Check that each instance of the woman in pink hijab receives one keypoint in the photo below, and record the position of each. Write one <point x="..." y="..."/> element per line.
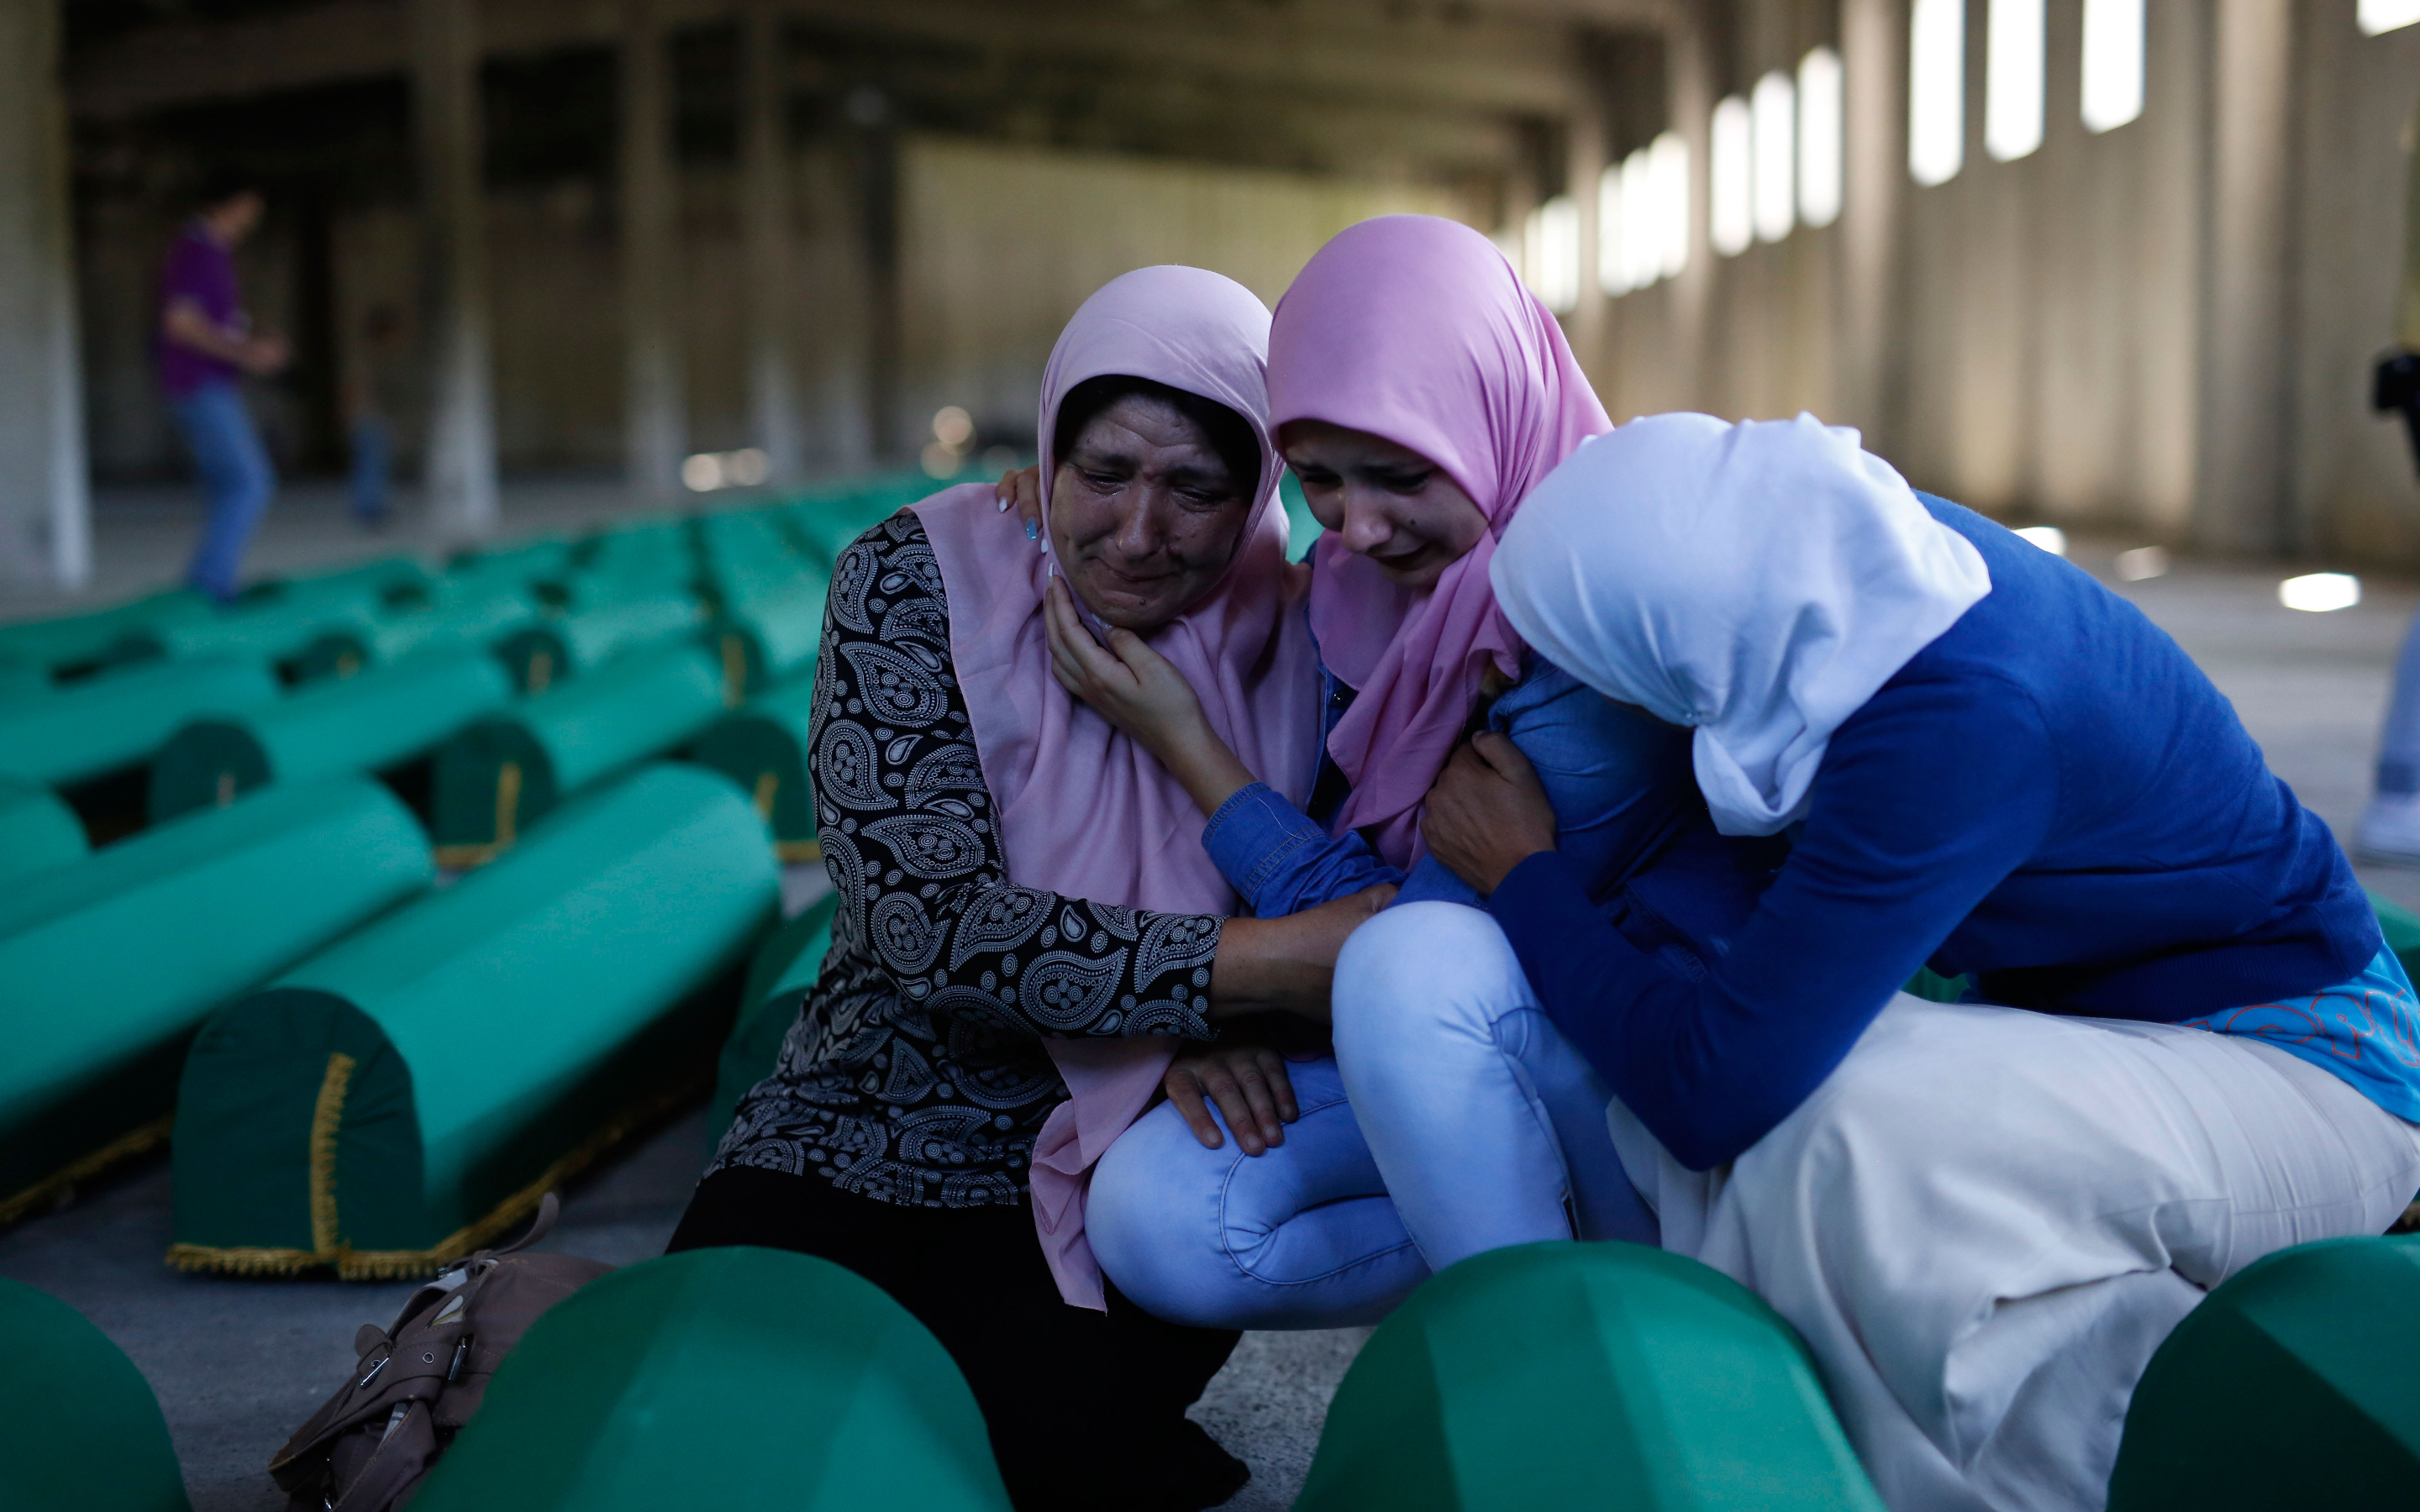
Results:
<point x="1418" y="393"/>
<point x="1028" y="925"/>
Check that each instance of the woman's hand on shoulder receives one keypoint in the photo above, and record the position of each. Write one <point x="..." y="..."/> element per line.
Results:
<point x="1249" y="1085"/>
<point x="1022" y="487"/>
<point x="1487" y="813"/>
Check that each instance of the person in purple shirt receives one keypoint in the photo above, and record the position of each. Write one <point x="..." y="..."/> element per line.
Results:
<point x="206" y="346"/>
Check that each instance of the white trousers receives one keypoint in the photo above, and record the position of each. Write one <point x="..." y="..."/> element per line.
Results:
<point x="1983" y="1223"/>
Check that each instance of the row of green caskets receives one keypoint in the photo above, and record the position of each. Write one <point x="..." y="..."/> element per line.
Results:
<point x="373" y="1065"/>
<point x="568" y="656"/>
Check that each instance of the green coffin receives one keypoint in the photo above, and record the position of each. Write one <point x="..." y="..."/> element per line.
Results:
<point x="357" y="724"/>
<point x="37" y="831"/>
<point x="785" y="966"/>
<point x="118" y="719"/>
<point x="755" y="554"/>
<point x="111" y="963"/>
<point x="770" y="639"/>
<point x="2295" y="1384"/>
<point x="79" y="1426"/>
<point x="77" y="639"/>
<point x="387" y="582"/>
<point x="1563" y="1375"/>
<point x="23" y="679"/>
<point x="467" y="621"/>
<point x="762" y="747"/>
<point x="552" y="650"/>
<point x="503" y="773"/>
<point x="2401" y="928"/>
<point x="723" y="1378"/>
<point x="644" y="559"/>
<point x="410" y="1093"/>
<point x="273" y="630"/>
<point x="536" y="570"/>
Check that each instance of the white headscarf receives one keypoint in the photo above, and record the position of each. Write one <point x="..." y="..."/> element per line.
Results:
<point x="1758" y="582"/>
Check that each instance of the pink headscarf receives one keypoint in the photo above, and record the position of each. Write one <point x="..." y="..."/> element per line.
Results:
<point x="1417" y="330"/>
<point x="1082" y="810"/>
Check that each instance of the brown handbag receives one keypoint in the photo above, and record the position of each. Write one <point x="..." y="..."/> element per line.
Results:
<point x="417" y="1382"/>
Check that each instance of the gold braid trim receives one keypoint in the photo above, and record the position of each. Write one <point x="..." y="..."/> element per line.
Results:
<point x="60" y="1183"/>
<point x="799" y="852"/>
<point x="327" y="1121"/>
<point x="465" y="858"/>
<point x="414" y="1264"/>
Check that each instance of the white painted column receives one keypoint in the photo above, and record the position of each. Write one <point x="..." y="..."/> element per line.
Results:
<point x="45" y="526"/>
<point x="765" y="201"/>
<point x="655" y="415"/>
<point x="459" y="467"/>
<point x="2241" y="463"/>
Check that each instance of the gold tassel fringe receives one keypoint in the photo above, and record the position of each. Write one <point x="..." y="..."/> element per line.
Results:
<point x="83" y="1168"/>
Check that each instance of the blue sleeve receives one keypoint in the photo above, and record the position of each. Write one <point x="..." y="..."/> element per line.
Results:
<point x="1621" y="784"/>
<point x="1281" y="861"/>
<point x="1927" y="799"/>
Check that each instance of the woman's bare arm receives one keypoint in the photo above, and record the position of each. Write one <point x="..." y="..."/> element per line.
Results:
<point x="1267" y="965"/>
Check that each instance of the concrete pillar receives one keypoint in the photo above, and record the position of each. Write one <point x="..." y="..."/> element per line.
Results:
<point x="878" y="192"/>
<point x="1870" y="375"/>
<point x="1689" y="57"/>
<point x="765" y="172"/>
<point x="2247" y="361"/>
<point x="45" y="530"/>
<point x="1583" y="171"/>
<point x="655" y="418"/>
<point x="459" y="465"/>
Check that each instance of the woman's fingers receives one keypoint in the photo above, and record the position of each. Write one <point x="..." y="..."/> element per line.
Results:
<point x="1185" y="1091"/>
<point x="1504" y="758"/>
<point x="1234" y="1095"/>
<point x="1273" y="1066"/>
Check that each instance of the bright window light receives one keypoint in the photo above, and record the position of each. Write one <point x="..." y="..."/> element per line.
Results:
<point x="2318" y="592"/>
<point x="2143" y="563"/>
<point x="1819" y="138"/>
<point x="1554" y="252"/>
<point x="1612" y="231"/>
<point x="1730" y="220"/>
<point x="1668" y="164"/>
<point x="2386" y="15"/>
<point x="1641" y="237"/>
<point x="2012" y="79"/>
<point x="1936" y="90"/>
<point x="2113" y="62"/>
<point x="1774" y="111"/>
<point x="2049" y="537"/>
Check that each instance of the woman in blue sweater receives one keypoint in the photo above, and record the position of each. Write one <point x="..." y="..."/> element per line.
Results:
<point x="2184" y="1045"/>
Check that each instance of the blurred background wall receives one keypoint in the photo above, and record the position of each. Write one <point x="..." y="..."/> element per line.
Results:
<point x="2114" y="263"/>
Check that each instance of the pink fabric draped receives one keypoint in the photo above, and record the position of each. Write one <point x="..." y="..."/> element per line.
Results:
<point x="1083" y="810"/>
<point x="1417" y="330"/>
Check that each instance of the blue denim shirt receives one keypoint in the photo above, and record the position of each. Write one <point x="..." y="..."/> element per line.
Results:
<point x="1622" y="785"/>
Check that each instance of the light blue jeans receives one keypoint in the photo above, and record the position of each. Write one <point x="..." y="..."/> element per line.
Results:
<point x="237" y="481"/>
<point x="1455" y="1119"/>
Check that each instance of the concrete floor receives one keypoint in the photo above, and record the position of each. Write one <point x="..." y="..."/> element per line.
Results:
<point x="239" y="1363"/>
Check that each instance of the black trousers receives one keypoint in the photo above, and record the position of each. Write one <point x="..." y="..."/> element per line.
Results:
<point x="1085" y="1410"/>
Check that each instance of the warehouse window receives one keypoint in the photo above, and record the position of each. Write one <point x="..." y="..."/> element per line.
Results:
<point x="2012" y="79"/>
<point x="2113" y="62"/>
<point x="1936" y="90"/>
<point x="2386" y="15"/>
<point x="1551" y="242"/>
<point x="1773" y="112"/>
<point x="1819" y="138"/>
<point x="1730" y="219"/>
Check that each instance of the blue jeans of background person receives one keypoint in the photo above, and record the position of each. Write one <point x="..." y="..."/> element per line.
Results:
<point x="237" y="481"/>
<point x="373" y="450"/>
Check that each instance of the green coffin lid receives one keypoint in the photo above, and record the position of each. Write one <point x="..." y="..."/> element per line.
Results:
<point x="503" y="772"/>
<point x="785" y="966"/>
<point x="111" y="962"/>
<point x="762" y="747"/>
<point x="37" y="830"/>
<point x="723" y="1378"/>
<point x="387" y="582"/>
<point x="2295" y="1384"/>
<point x="85" y="638"/>
<point x="272" y="630"/>
<point x="770" y="639"/>
<point x="411" y="1092"/>
<point x="356" y="724"/>
<point x="755" y="554"/>
<point x="118" y="719"/>
<point x="1564" y="1375"/>
<point x="552" y="650"/>
<point x="414" y="632"/>
<point x="23" y="679"/>
<point x="79" y="1426"/>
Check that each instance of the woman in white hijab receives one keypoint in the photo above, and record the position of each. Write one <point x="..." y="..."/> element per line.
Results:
<point x="2181" y="1045"/>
